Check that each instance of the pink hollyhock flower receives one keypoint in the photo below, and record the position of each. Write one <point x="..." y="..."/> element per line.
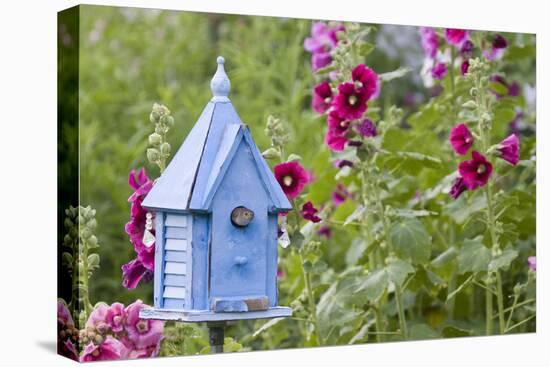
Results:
<point x="350" y="103"/>
<point x="466" y="50"/>
<point x="324" y="231"/>
<point x="366" y="79"/>
<point x="309" y="212"/>
<point x="292" y="177"/>
<point x="508" y="149"/>
<point x="461" y="139"/>
<point x="340" y="194"/>
<point x="439" y="71"/>
<point x="98" y="319"/>
<point x="455" y="36"/>
<point x="135" y="228"/>
<point x="64" y="317"/>
<point x="142" y="333"/>
<point x="366" y="129"/>
<point x="67" y="349"/>
<point x="322" y="97"/>
<point x="133" y="272"/>
<point x="532" y="262"/>
<point x="458" y="188"/>
<point x="323" y="39"/>
<point x="151" y="351"/>
<point x="475" y="172"/>
<point x="115" y="317"/>
<point x="464" y="67"/>
<point x="430" y="42"/>
<point x="110" y="349"/>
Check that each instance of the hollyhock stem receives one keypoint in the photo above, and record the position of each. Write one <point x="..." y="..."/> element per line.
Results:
<point x="488" y="312"/>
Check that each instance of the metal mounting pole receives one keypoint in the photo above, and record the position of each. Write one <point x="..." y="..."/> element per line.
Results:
<point x="216" y="336"/>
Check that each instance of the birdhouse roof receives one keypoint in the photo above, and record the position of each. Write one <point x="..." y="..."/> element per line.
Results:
<point x="191" y="179"/>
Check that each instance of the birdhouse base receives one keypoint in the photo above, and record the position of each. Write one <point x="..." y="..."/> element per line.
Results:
<point x="206" y="315"/>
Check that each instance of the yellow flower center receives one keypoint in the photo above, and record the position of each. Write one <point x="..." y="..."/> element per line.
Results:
<point x="287" y="180"/>
<point x="352" y="100"/>
<point x="481" y="169"/>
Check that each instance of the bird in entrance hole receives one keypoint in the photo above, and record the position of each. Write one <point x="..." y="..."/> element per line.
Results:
<point x="241" y="216"/>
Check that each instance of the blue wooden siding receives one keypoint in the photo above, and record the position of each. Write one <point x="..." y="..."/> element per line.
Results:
<point x="239" y="255"/>
<point x="201" y="240"/>
<point x="271" y="284"/>
<point x="177" y="261"/>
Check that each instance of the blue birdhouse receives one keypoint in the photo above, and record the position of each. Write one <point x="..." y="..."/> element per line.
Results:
<point x="216" y="207"/>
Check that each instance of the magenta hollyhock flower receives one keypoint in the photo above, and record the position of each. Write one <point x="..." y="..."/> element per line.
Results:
<point x="439" y="71"/>
<point x="340" y="194"/>
<point x="142" y="333"/>
<point x="464" y="67"/>
<point x="366" y="79"/>
<point x="508" y="149"/>
<point x="133" y="272"/>
<point x="98" y="319"/>
<point x="339" y="163"/>
<point x="466" y="50"/>
<point x="324" y="231"/>
<point x="292" y="177"/>
<point x="335" y="137"/>
<point x="532" y="262"/>
<point x="461" y="139"/>
<point x="366" y="129"/>
<point x="458" y="188"/>
<point x="430" y="42"/>
<point x="110" y="349"/>
<point x="320" y="60"/>
<point x="322" y="97"/>
<point x="475" y="172"/>
<point x="499" y="42"/>
<point x="512" y="90"/>
<point x="455" y="36"/>
<point x="135" y="228"/>
<point x="350" y="103"/>
<point x="115" y="317"/>
<point x="309" y="212"/>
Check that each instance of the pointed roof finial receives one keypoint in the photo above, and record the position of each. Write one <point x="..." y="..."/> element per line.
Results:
<point x="220" y="84"/>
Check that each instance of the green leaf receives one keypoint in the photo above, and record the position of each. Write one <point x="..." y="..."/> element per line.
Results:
<point x="422" y="331"/>
<point x="503" y="260"/>
<point x="374" y="285"/>
<point x="398" y="271"/>
<point x="411" y="241"/>
<point x="445" y="257"/>
<point x="426" y="160"/>
<point x="326" y="69"/>
<point x="463" y="208"/>
<point x="267" y="325"/>
<point x="386" y="77"/>
<point x="355" y="251"/>
<point x="410" y="213"/>
<point x="455" y="332"/>
<point x="366" y="48"/>
<point x="473" y="256"/>
<point x="357" y="214"/>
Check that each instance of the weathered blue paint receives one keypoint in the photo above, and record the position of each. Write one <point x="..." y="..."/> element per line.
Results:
<point x="207" y="268"/>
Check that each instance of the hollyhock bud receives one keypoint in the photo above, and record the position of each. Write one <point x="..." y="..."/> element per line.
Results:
<point x="322" y="97"/>
<point x="464" y="67"/>
<point x="466" y="50"/>
<point x="508" y="149"/>
<point x="309" y="212"/>
<point x="292" y="177"/>
<point x="499" y="42"/>
<point x="461" y="139"/>
<point x="340" y="194"/>
<point x="458" y="188"/>
<point x="475" y="172"/>
<point x="366" y="128"/>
